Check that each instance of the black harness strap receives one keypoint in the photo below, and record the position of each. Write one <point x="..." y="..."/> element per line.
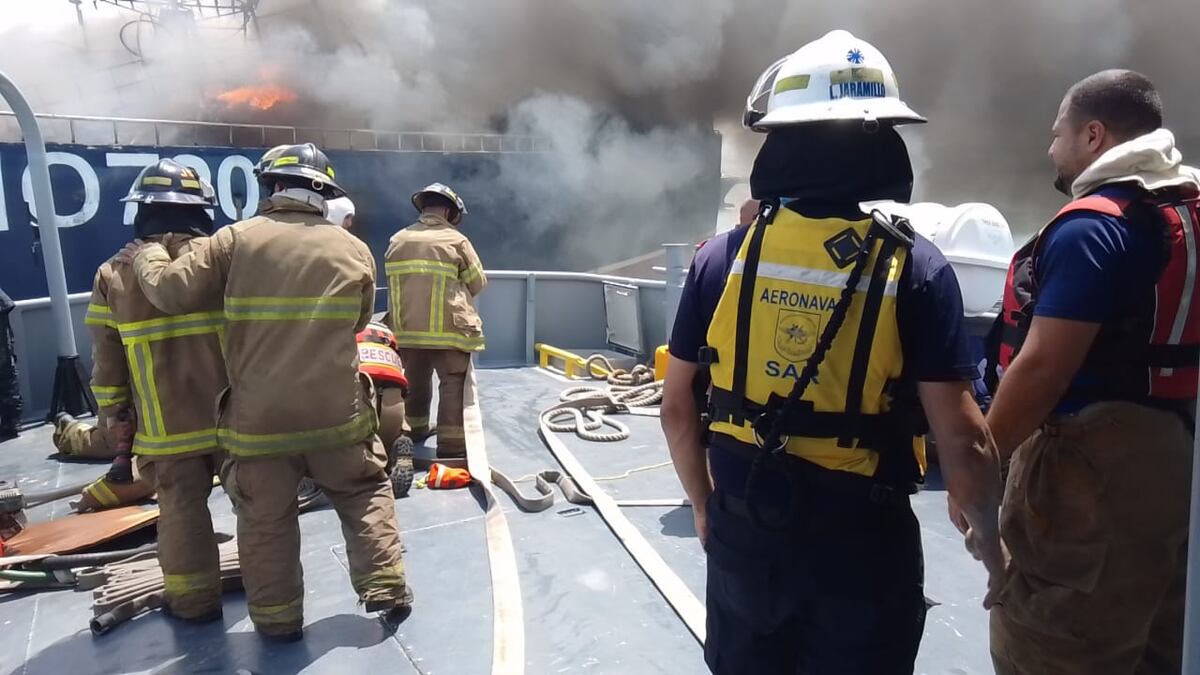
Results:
<point x="866" y="336"/>
<point x="741" y="348"/>
<point x="769" y="427"/>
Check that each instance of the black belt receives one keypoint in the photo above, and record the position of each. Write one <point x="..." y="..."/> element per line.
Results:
<point x="810" y="475"/>
<point x="886" y="497"/>
<point x="878" y="432"/>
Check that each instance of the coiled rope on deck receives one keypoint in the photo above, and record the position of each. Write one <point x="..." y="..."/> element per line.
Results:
<point x="585" y="410"/>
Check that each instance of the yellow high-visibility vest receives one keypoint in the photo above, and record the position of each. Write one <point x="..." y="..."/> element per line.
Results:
<point x="779" y="309"/>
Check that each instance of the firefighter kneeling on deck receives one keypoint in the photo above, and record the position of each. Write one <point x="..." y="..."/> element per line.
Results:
<point x="379" y="360"/>
<point x="434" y="275"/>
<point x="77" y="438"/>
<point x="155" y="378"/>
<point x="814" y="553"/>
<point x="296" y="291"/>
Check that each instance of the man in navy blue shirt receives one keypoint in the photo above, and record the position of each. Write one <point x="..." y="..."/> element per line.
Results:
<point x="930" y="312"/>
<point x="1096" y="401"/>
<point x="834" y="583"/>
<point x="937" y="354"/>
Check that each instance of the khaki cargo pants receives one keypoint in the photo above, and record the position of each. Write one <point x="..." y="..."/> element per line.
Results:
<point x="1095" y="516"/>
<point x="451" y="368"/>
<point x="390" y="407"/>
<point x="263" y="491"/>
<point x="187" y="547"/>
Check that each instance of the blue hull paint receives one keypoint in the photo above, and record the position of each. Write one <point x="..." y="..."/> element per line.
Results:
<point x="514" y="225"/>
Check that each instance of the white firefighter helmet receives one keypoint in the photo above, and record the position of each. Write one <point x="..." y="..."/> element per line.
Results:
<point x="837" y="77"/>
<point x="460" y="208"/>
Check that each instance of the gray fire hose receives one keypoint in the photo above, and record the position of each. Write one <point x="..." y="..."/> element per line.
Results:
<point x="45" y="496"/>
<point x="119" y="614"/>
<point x="66" y="562"/>
<point x="131" y="587"/>
<point x="109" y="620"/>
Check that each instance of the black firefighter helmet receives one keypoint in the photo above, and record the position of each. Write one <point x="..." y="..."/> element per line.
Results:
<point x="305" y="162"/>
<point x="169" y="182"/>
<point x="171" y="197"/>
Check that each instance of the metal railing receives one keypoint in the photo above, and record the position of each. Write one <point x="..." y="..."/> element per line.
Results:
<point x="145" y="131"/>
<point x="519" y="309"/>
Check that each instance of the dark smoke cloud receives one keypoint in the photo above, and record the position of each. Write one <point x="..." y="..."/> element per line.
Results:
<point x="989" y="75"/>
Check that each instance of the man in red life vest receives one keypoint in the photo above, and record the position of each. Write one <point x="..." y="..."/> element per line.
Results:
<point x="1097" y="344"/>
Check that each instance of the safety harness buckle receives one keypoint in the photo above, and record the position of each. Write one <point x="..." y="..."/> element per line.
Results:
<point x="897" y="227"/>
<point x="762" y="429"/>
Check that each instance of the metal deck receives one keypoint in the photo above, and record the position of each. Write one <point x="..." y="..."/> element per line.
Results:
<point x="588" y="607"/>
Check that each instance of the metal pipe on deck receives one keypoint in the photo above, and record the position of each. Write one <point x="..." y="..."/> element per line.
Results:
<point x="679" y="257"/>
<point x="70" y="394"/>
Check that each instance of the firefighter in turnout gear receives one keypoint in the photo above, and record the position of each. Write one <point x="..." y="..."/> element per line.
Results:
<point x="76" y="438"/>
<point x="825" y="331"/>
<point x="296" y="290"/>
<point x="1097" y="341"/>
<point x="119" y="486"/>
<point x="433" y="276"/>
<point x="11" y="403"/>
<point x="155" y="377"/>
<point x="379" y="360"/>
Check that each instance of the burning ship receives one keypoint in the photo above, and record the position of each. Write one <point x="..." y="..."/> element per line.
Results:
<point x="530" y="203"/>
<point x="559" y="592"/>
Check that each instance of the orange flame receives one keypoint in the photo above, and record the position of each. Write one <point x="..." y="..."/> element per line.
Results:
<point x="261" y="97"/>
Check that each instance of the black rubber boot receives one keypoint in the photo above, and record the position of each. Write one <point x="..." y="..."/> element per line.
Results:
<point x="393" y="606"/>
<point x="294" y="636"/>
<point x="422" y="436"/>
<point x="400" y="461"/>
<point x="207" y="617"/>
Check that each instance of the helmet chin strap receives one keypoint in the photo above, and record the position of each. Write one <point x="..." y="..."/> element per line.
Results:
<point x="303" y="195"/>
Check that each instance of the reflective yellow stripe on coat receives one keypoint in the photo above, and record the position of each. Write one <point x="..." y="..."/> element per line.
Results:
<point x="256" y="445"/>
<point x="99" y="315"/>
<point x="167" y="327"/>
<point x="292" y="308"/>
<point x="103" y="495"/>
<point x="174" y="444"/>
<point x="436" y="267"/>
<point x="439" y="340"/>
<point x="153" y="438"/>
<point x="470" y="274"/>
<point x="438" y="335"/>
<point x="110" y="396"/>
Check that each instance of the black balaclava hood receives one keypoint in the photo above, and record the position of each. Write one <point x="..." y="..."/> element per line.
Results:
<point x="827" y="169"/>
<point x="155" y="219"/>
